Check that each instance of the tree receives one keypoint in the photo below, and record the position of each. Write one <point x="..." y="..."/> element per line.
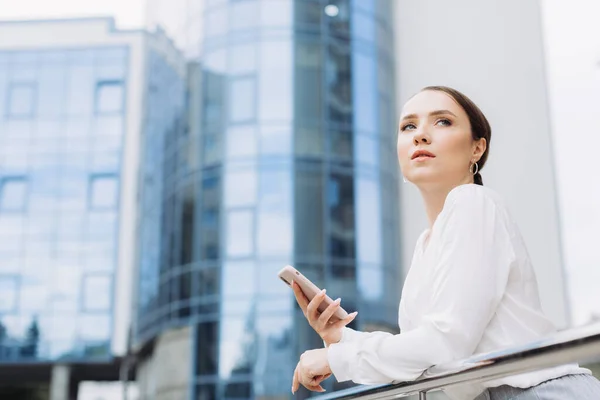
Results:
<point x="30" y="347"/>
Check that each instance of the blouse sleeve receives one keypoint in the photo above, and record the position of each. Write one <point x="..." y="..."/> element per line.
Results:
<point x="468" y="280"/>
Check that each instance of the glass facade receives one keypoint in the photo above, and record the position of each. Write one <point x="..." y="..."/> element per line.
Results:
<point x="287" y="156"/>
<point x="61" y="134"/>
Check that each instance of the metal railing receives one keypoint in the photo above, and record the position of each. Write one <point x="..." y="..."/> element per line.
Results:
<point x="574" y="345"/>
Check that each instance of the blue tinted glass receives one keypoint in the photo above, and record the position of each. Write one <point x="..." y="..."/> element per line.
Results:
<point x="274" y="225"/>
<point x="275" y="140"/>
<point x="52" y="91"/>
<point x="96" y="293"/>
<point x="240" y="233"/>
<point x="109" y="97"/>
<point x="276" y="13"/>
<point x="238" y="279"/>
<point x="363" y="26"/>
<point x="8" y="294"/>
<point x="244" y="15"/>
<point x="21" y="100"/>
<point x="240" y="188"/>
<point x="364" y="84"/>
<point x="370" y="282"/>
<point x="368" y="221"/>
<point x="94" y="327"/>
<point x="103" y="192"/>
<point x="13" y="194"/>
<point x="241" y="141"/>
<point x="366" y="150"/>
<point x="242" y="58"/>
<point x="80" y="90"/>
<point x="217" y="21"/>
<point x="275" y="83"/>
<point x="242" y="99"/>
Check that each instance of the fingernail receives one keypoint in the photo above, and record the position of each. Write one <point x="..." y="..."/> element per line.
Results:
<point x="323" y="291"/>
<point x="337" y="301"/>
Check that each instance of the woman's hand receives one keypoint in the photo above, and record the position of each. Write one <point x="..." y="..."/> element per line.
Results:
<point x="329" y="330"/>
<point x="312" y="369"/>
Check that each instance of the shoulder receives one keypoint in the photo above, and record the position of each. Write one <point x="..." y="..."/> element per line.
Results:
<point x="472" y="195"/>
<point x="475" y="204"/>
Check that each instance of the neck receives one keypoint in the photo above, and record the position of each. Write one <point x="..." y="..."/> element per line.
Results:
<point x="434" y="197"/>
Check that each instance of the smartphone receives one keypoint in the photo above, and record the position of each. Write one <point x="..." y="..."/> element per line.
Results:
<point x="310" y="290"/>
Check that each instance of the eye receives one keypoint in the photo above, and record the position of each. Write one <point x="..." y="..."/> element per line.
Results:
<point x="443" y="122"/>
<point x="407" y="127"/>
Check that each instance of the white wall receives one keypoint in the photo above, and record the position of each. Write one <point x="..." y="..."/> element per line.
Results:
<point x="493" y="52"/>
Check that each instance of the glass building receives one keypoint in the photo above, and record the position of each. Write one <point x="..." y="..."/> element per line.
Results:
<point x="61" y="142"/>
<point x="286" y="156"/>
<point x="72" y="95"/>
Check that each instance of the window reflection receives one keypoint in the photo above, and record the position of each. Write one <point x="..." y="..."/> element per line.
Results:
<point x="21" y="100"/>
<point x="274" y="225"/>
<point x="244" y="15"/>
<point x="366" y="150"/>
<point x="237" y="348"/>
<point x="96" y="293"/>
<point x="308" y="93"/>
<point x="109" y="97"/>
<point x="8" y="294"/>
<point x="340" y="199"/>
<point x="51" y="93"/>
<point x="238" y="279"/>
<point x="240" y="233"/>
<point x="240" y="188"/>
<point x="242" y="58"/>
<point x="368" y="214"/>
<point x="80" y="90"/>
<point x="364" y="82"/>
<point x="341" y="143"/>
<point x="241" y="141"/>
<point x="275" y="140"/>
<point x="13" y="194"/>
<point x="103" y="192"/>
<point x="363" y="26"/>
<point x="242" y="99"/>
<point x="339" y="83"/>
<point x="309" y="211"/>
<point x="275" y="83"/>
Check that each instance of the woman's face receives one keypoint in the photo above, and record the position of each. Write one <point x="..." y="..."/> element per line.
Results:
<point x="435" y="144"/>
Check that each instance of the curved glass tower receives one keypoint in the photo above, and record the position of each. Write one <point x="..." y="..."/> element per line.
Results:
<point x="287" y="157"/>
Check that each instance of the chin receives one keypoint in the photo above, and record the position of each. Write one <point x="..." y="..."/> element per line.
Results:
<point x="423" y="177"/>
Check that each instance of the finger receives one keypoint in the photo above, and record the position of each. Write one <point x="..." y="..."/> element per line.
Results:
<point x="329" y="311"/>
<point x="300" y="296"/>
<point x="317" y="388"/>
<point x="321" y="378"/>
<point x="346" y="321"/>
<point x="314" y="304"/>
<point x="295" y="381"/>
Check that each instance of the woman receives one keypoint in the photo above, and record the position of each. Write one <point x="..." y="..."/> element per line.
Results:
<point x="471" y="287"/>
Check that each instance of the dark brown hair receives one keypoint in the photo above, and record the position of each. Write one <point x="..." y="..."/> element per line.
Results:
<point x="480" y="127"/>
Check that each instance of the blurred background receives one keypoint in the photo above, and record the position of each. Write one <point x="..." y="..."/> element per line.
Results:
<point x="161" y="160"/>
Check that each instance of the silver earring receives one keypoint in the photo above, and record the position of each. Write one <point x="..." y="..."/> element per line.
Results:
<point x="404" y="179"/>
<point x="476" y="168"/>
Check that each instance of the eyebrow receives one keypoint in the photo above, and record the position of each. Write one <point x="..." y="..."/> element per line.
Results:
<point x="431" y="114"/>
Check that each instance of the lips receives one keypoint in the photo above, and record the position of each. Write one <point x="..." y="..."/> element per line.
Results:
<point x="422" y="153"/>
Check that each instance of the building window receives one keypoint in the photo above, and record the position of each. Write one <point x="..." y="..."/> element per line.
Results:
<point x="242" y="99"/>
<point x="8" y="294"/>
<point x="13" y="194"/>
<point x="96" y="293"/>
<point x="21" y="100"/>
<point x="103" y="192"/>
<point x="109" y="97"/>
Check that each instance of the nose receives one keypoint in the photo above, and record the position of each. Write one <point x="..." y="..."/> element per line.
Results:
<point x="421" y="137"/>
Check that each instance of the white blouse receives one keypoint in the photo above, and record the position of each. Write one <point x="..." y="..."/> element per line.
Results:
<point x="471" y="289"/>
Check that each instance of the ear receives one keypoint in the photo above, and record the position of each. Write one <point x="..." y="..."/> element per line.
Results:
<point x="479" y="148"/>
